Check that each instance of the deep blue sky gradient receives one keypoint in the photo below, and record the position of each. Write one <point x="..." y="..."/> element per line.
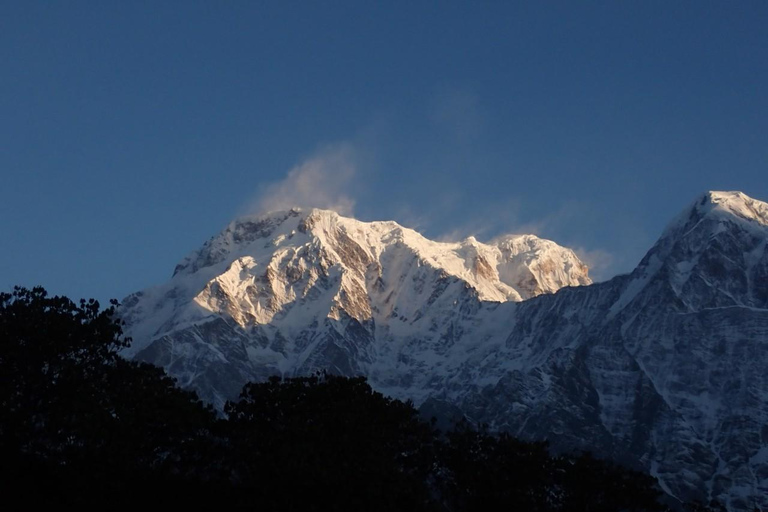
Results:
<point x="131" y="132"/>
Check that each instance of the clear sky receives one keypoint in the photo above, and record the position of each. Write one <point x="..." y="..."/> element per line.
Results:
<point x="131" y="132"/>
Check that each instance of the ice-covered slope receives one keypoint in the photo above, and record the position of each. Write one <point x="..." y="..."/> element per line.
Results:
<point x="296" y="291"/>
<point x="664" y="367"/>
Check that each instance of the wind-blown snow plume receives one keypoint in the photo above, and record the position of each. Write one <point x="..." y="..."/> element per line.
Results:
<point x="600" y="262"/>
<point x="321" y="181"/>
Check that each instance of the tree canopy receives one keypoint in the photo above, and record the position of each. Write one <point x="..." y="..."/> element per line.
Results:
<point x="76" y="415"/>
<point x="330" y="443"/>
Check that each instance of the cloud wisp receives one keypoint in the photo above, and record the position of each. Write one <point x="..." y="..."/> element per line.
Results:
<point x="422" y="182"/>
<point x="600" y="262"/>
<point x="321" y="181"/>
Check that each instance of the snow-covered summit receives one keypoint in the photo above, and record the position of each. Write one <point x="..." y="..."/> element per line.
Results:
<point x="520" y="266"/>
<point x="239" y="232"/>
<point x="514" y="267"/>
<point x="713" y="254"/>
<point x="738" y="204"/>
<point x="268" y="269"/>
<point x="718" y="206"/>
<point x="536" y="266"/>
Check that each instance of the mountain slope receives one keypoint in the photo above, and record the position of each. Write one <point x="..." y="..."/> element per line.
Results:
<point x="663" y="368"/>
<point x="298" y="291"/>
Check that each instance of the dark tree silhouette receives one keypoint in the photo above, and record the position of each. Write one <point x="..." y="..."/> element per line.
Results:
<point x="594" y="485"/>
<point x="329" y="443"/>
<point x="77" y="416"/>
<point x="483" y="471"/>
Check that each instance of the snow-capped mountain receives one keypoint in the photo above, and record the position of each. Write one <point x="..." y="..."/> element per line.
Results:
<point x="664" y="367"/>
<point x="299" y="291"/>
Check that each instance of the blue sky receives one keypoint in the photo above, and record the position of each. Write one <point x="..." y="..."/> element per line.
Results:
<point x="131" y="132"/>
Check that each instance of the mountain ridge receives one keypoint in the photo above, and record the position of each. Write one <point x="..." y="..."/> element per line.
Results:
<point x="516" y="267"/>
<point x="662" y="367"/>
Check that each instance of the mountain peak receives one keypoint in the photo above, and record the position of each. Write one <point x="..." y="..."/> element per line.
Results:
<point x="712" y="255"/>
<point x="260" y="268"/>
<point x="734" y="203"/>
<point x="714" y="208"/>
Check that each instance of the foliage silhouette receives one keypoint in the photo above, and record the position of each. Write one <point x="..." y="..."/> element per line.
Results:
<point x="77" y="415"/>
<point x="485" y="471"/>
<point x="329" y="443"/>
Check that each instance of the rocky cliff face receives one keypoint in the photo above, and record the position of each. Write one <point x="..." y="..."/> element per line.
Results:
<point x="664" y="367"/>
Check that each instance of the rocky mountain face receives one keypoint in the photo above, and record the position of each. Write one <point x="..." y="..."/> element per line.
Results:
<point x="664" y="368"/>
